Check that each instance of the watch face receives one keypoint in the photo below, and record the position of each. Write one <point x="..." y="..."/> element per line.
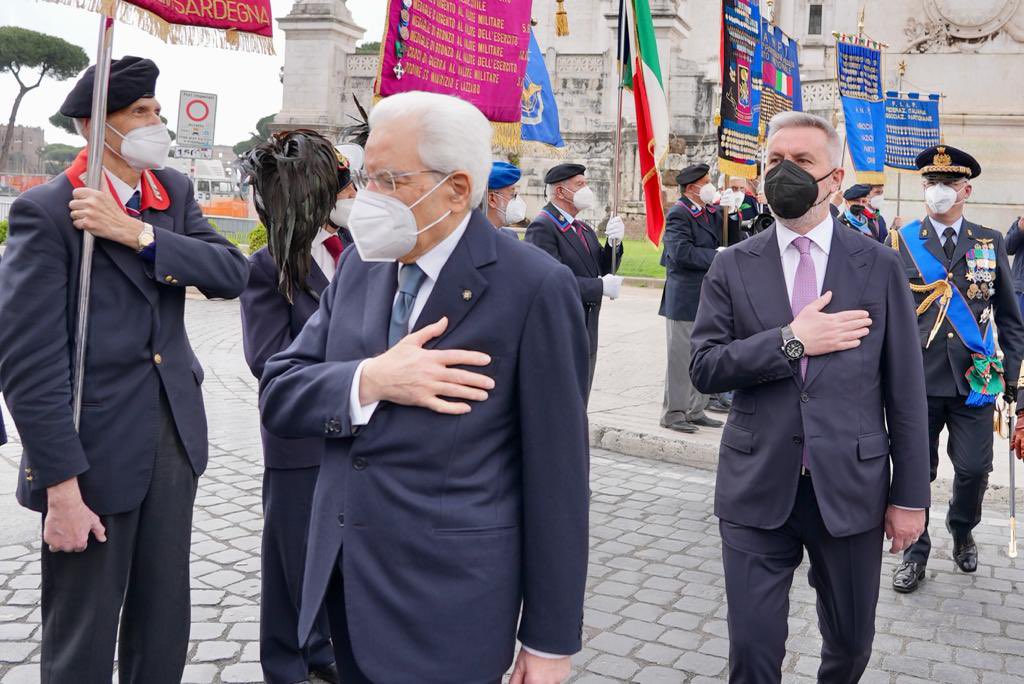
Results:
<point x="794" y="349"/>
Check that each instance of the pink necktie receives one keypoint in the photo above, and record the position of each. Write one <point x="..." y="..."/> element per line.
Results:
<point x="805" y="291"/>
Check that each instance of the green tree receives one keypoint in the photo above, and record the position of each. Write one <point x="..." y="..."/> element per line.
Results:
<point x="261" y="133"/>
<point x="22" y="51"/>
<point x="370" y="48"/>
<point x="58" y="156"/>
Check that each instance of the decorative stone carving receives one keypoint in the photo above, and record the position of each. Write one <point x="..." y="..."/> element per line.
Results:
<point x="967" y="27"/>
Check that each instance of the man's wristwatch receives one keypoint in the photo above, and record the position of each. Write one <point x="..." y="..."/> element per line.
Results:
<point x="792" y="347"/>
<point x="146" y="237"/>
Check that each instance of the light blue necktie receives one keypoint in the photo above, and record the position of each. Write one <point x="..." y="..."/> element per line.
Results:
<point x="410" y="278"/>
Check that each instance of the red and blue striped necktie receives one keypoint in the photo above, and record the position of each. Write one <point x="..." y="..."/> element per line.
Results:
<point x="134" y="205"/>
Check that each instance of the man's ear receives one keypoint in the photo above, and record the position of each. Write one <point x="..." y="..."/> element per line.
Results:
<point x="968" y="191"/>
<point x="461" y="187"/>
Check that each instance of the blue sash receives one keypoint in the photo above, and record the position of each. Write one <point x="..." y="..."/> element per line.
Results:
<point x="958" y="312"/>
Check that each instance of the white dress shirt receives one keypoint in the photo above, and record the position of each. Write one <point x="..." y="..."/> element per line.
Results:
<point x="321" y="256"/>
<point x="940" y="228"/>
<point x="821" y="244"/>
<point x="431" y="263"/>
<point x="122" y="190"/>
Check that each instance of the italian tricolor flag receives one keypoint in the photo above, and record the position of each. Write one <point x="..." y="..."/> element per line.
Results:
<point x="641" y="73"/>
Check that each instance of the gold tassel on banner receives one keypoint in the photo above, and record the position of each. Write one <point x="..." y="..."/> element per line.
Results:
<point x="561" y="20"/>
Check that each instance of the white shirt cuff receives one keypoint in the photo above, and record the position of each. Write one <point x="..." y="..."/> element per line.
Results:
<point x="542" y="654"/>
<point x="358" y="414"/>
<point x="907" y="508"/>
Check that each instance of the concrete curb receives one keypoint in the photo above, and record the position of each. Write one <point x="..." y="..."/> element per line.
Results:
<point x="703" y="455"/>
<point x="653" y="283"/>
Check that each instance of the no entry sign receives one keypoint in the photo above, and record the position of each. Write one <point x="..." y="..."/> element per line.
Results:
<point x="197" y="113"/>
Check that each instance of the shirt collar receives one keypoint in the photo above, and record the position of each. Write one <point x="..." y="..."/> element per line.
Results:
<point x="433" y="261"/>
<point x="321" y="237"/>
<point x="123" y="190"/>
<point x="940" y="228"/>
<point x="821" y="235"/>
<point x="566" y="215"/>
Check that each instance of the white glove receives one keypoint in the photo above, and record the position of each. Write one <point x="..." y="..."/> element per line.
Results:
<point x="616" y="229"/>
<point x="720" y="249"/>
<point x="612" y="285"/>
<point x="732" y="199"/>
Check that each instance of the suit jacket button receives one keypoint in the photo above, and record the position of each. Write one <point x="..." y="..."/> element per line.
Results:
<point x="359" y="463"/>
<point x="805" y="397"/>
<point x="169" y="279"/>
<point x="798" y="439"/>
<point x="949" y="336"/>
<point x="341" y="519"/>
<point x="157" y="359"/>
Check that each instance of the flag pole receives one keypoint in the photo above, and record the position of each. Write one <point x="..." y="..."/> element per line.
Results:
<point x="94" y="179"/>
<point x="1012" y="549"/>
<point x="617" y="163"/>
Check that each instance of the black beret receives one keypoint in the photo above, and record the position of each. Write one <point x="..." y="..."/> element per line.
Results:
<point x="859" y="191"/>
<point x="943" y="162"/>
<point x="563" y="172"/>
<point x="692" y="174"/>
<point x="131" y="78"/>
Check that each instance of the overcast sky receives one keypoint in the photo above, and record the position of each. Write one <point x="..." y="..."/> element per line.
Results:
<point x="247" y="85"/>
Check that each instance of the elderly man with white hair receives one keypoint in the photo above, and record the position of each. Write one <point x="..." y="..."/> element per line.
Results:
<point x="453" y="494"/>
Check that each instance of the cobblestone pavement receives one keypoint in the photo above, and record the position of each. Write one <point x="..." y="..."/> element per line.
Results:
<point x="655" y="602"/>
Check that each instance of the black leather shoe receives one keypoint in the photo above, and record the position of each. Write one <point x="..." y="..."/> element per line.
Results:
<point x="908" y="577"/>
<point x="328" y="673"/>
<point x="680" y="426"/>
<point x="965" y="553"/>
<point x="719" y="406"/>
<point x="704" y="421"/>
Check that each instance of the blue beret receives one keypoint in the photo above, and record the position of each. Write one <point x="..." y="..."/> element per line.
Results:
<point x="131" y="78"/>
<point x="503" y="175"/>
<point x="859" y="191"/>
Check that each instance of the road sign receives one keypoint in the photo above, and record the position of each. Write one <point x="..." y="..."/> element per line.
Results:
<point x="197" y="113"/>
<point x="193" y="153"/>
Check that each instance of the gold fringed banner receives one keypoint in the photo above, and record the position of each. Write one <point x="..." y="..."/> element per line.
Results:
<point x="561" y="20"/>
<point x="736" y="169"/>
<point x="506" y="136"/>
<point x="871" y="177"/>
<point x="200" y="31"/>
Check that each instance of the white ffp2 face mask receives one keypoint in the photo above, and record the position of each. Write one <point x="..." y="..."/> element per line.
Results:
<point x="707" y="193"/>
<point x="384" y="228"/>
<point x="144" y="148"/>
<point x="877" y="202"/>
<point x="940" y="198"/>
<point x="514" y="211"/>
<point x="342" y="212"/>
<point x="584" y="198"/>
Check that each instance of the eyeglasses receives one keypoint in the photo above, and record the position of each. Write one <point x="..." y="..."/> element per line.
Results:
<point x="955" y="184"/>
<point x="385" y="181"/>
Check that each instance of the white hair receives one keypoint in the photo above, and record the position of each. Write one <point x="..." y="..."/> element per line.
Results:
<point x="451" y="134"/>
<point x="80" y="127"/>
<point x="805" y="120"/>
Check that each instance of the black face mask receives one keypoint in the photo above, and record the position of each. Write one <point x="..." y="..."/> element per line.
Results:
<point x="791" y="191"/>
<point x="857" y="209"/>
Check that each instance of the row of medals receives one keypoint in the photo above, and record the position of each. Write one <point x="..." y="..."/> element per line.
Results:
<point x="981" y="270"/>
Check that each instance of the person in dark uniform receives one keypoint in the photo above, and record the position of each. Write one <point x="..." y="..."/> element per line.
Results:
<point x="558" y="232"/>
<point x="947" y="254"/>
<point x="270" y="321"/>
<point x="504" y="205"/>
<point x="1015" y="248"/>
<point x="860" y="215"/>
<point x="127" y="476"/>
<point x="693" y="236"/>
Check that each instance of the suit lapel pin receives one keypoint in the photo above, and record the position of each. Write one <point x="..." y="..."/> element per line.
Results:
<point x="467" y="295"/>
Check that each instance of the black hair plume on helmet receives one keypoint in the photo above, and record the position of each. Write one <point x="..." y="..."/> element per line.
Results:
<point x="295" y="180"/>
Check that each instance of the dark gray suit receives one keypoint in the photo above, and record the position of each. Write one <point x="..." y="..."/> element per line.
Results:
<point x="142" y="441"/>
<point x="857" y="412"/>
<point x="269" y="324"/>
<point x="430" y="532"/>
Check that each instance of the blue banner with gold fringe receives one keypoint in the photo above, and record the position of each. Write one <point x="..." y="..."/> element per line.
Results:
<point x="911" y="125"/>
<point x="859" y="72"/>
<point x="540" y="110"/>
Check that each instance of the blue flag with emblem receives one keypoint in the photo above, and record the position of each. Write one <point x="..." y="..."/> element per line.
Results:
<point x="540" y="111"/>
<point x="985" y="376"/>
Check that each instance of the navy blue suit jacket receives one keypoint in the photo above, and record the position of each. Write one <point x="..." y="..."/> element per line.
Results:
<point x="449" y="524"/>
<point x="136" y="313"/>
<point x="856" y="410"/>
<point x="587" y="265"/>
<point x="1014" y="243"/>
<point x="269" y="324"/>
<point x="691" y="243"/>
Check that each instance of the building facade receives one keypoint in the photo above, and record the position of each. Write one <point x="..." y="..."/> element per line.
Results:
<point x="970" y="52"/>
